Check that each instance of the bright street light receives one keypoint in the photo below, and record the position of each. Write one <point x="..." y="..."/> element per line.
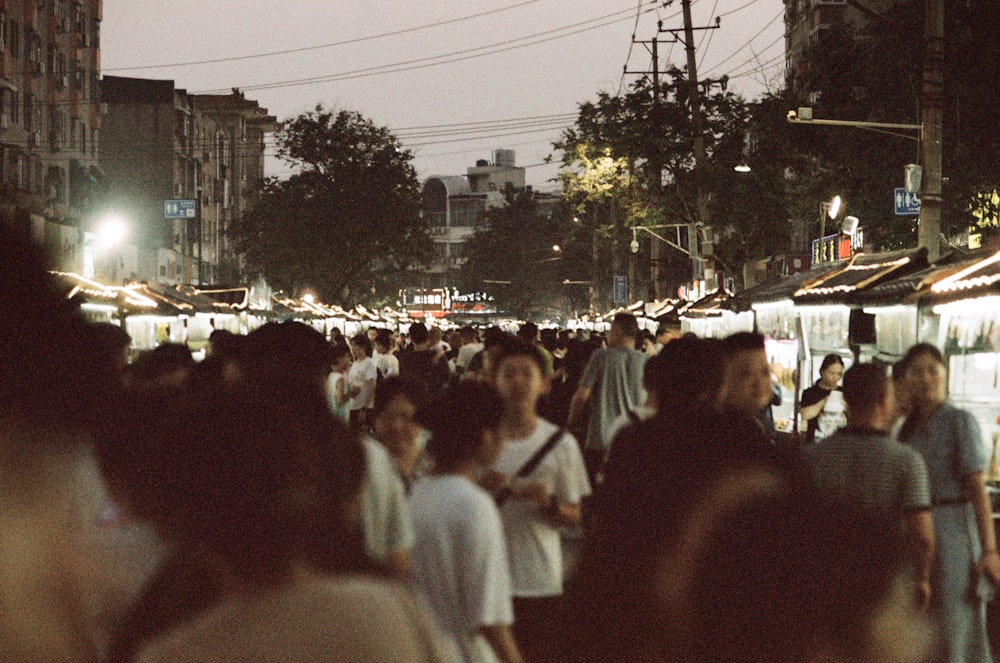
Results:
<point x="112" y="231"/>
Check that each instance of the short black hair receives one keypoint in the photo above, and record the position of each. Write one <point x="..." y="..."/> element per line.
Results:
<point x="742" y="342"/>
<point x="627" y="323"/>
<point x="864" y="385"/>
<point x="363" y="342"/>
<point x="419" y="333"/>
<point x="515" y="347"/>
<point x="397" y="385"/>
<point x="457" y="421"/>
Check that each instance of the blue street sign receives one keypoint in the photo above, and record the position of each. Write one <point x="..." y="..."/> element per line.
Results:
<point x="621" y="290"/>
<point x="179" y="209"/>
<point x="906" y="204"/>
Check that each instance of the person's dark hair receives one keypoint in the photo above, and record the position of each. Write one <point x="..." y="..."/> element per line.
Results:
<point x="518" y="348"/>
<point x="549" y="339"/>
<point x="339" y="350"/>
<point x="864" y="386"/>
<point x="161" y="361"/>
<point x="741" y="342"/>
<point x="362" y="341"/>
<point x="419" y="333"/>
<point x="684" y="375"/>
<point x="396" y="386"/>
<point x="468" y="333"/>
<point x="383" y="337"/>
<point x="287" y="347"/>
<point x="641" y="338"/>
<point x="226" y="344"/>
<point x="627" y="323"/>
<point x="494" y="336"/>
<point x="259" y="473"/>
<point x="55" y="368"/>
<point x="829" y="360"/>
<point x="808" y="575"/>
<point x="528" y="332"/>
<point x="457" y="421"/>
<point x="919" y="350"/>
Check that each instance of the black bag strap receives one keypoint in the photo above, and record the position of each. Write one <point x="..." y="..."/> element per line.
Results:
<point x="504" y="493"/>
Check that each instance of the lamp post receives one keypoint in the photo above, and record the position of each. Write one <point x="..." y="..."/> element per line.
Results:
<point x="111" y="232"/>
<point x="830" y="209"/>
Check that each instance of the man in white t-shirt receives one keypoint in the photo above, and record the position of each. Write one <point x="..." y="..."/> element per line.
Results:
<point x="541" y="503"/>
<point x="362" y="374"/>
<point x="385" y="360"/>
<point x="470" y="346"/>
<point x="385" y="515"/>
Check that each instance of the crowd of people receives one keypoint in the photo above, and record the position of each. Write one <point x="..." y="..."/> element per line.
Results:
<point x="294" y="497"/>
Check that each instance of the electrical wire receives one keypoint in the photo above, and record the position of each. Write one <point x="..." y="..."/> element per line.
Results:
<point x="445" y="58"/>
<point x="748" y="42"/>
<point x="346" y="42"/>
<point x="631" y="45"/>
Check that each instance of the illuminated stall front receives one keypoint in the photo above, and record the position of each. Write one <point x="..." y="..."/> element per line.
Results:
<point x="710" y="317"/>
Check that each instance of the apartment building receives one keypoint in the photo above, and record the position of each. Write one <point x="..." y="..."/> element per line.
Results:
<point x="454" y="207"/>
<point x="50" y="121"/>
<point x="180" y="168"/>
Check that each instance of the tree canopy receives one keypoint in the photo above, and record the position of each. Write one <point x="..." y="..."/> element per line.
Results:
<point x="347" y="223"/>
<point x="514" y="256"/>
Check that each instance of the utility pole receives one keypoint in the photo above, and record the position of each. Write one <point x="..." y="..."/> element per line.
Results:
<point x="929" y="227"/>
<point x="694" y="99"/>
<point x="657" y="252"/>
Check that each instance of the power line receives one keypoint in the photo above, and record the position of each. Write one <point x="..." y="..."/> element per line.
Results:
<point x="631" y="44"/>
<point x="421" y="63"/>
<point x="346" y="42"/>
<point x="750" y="41"/>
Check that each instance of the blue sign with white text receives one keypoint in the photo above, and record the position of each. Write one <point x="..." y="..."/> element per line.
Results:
<point x="906" y="204"/>
<point x="179" y="209"/>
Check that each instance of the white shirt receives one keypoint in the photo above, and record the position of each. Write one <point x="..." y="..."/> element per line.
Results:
<point x="460" y="560"/>
<point x="387" y="364"/>
<point x="534" y="546"/>
<point x="361" y="372"/>
<point x="317" y="619"/>
<point x="466" y="353"/>
<point x="385" y="515"/>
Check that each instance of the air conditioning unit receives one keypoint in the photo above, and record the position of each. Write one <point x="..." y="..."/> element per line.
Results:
<point x="103" y="108"/>
<point x="65" y="24"/>
<point x="4" y="122"/>
<point x="64" y="82"/>
<point x="35" y="138"/>
<point x="207" y="156"/>
<point x="3" y="46"/>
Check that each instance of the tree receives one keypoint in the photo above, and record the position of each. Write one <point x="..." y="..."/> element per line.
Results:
<point x="651" y="131"/>
<point x="347" y="224"/>
<point x="512" y="256"/>
<point x="876" y="76"/>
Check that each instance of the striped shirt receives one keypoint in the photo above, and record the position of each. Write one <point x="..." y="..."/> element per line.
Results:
<point x="870" y="470"/>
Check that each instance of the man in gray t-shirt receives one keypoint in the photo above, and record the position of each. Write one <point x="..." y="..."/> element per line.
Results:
<point x="863" y="466"/>
<point x="612" y="385"/>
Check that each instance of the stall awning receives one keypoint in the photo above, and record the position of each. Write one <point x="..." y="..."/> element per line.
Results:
<point x="907" y="288"/>
<point x="980" y="279"/>
<point x="712" y="305"/>
<point x="862" y="271"/>
<point x="782" y="289"/>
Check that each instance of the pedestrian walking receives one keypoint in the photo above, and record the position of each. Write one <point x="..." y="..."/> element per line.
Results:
<point x="966" y="564"/>
<point x="611" y="385"/>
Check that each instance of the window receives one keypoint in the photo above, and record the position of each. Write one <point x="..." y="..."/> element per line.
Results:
<point x="15" y="40"/>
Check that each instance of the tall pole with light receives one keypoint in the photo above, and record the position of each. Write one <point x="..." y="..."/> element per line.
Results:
<point x="111" y="232"/>
<point x="830" y="209"/>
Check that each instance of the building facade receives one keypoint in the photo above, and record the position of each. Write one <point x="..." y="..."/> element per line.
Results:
<point x="454" y="207"/>
<point x="50" y="121"/>
<point x="180" y="168"/>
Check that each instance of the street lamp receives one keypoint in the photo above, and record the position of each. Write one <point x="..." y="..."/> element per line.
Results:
<point x="111" y="232"/>
<point x="830" y="209"/>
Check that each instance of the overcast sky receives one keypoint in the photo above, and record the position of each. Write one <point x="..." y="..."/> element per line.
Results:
<point x="507" y="73"/>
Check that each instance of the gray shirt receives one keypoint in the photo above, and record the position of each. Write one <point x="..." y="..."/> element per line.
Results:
<point x="870" y="470"/>
<point x="614" y="376"/>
